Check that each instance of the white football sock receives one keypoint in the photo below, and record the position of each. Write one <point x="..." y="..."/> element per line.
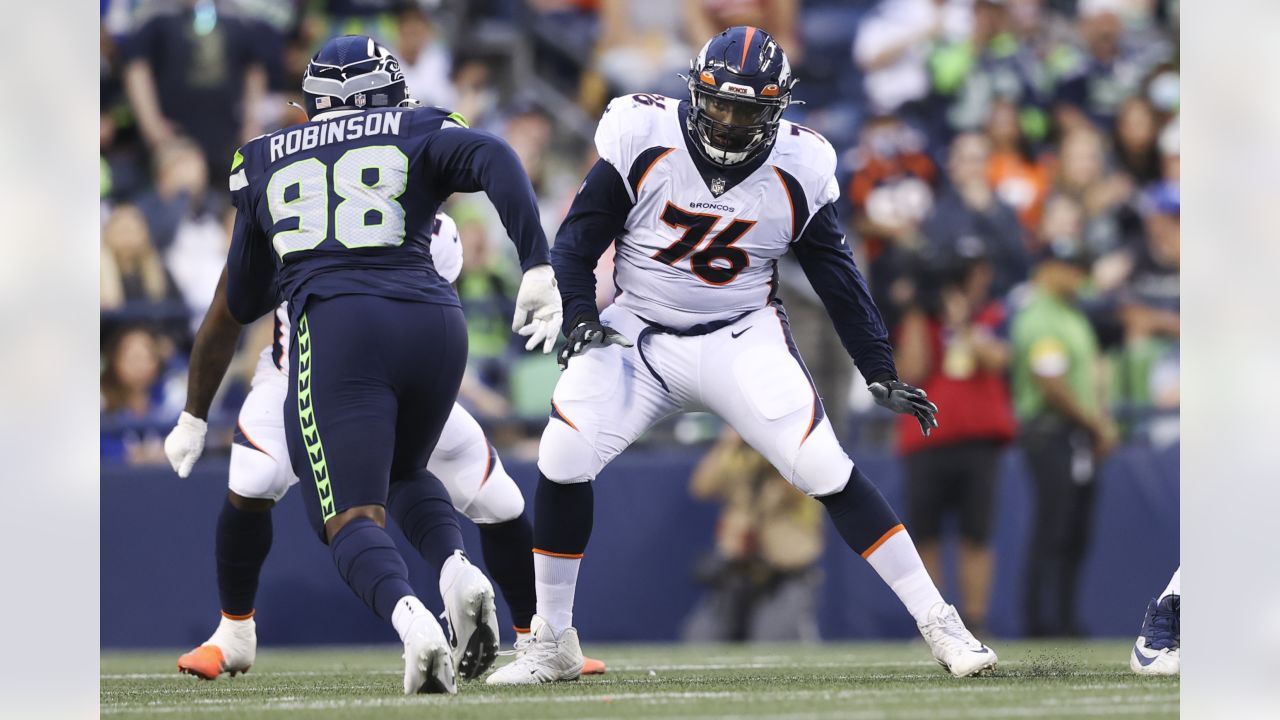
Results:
<point x="407" y="610"/>
<point x="555" y="579"/>
<point x="230" y="630"/>
<point x="1175" y="585"/>
<point x="899" y="565"/>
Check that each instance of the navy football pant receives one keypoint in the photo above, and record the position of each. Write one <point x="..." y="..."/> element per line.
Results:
<point x="372" y="381"/>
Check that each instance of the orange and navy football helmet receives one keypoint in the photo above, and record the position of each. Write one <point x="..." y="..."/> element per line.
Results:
<point x="739" y="85"/>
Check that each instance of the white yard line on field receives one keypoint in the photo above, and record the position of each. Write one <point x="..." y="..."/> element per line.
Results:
<point x="1119" y="704"/>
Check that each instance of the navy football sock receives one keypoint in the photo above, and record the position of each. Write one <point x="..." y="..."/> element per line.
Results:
<point x="563" y="513"/>
<point x="425" y="514"/>
<point x="506" y="547"/>
<point x="370" y="564"/>
<point x="860" y="513"/>
<point x="241" y="544"/>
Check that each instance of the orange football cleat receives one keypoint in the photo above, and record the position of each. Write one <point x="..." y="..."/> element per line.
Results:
<point x="205" y="662"/>
<point x="592" y="666"/>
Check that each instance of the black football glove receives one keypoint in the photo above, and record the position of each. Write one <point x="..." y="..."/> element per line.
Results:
<point x="907" y="400"/>
<point x="586" y="335"/>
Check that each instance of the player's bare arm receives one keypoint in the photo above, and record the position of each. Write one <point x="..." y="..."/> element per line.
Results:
<point x="211" y="354"/>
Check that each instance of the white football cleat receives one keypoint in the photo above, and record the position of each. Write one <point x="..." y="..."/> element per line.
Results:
<point x="1145" y="661"/>
<point x="542" y="657"/>
<point x="472" y="617"/>
<point x="428" y="666"/>
<point x="953" y="646"/>
<point x="231" y="649"/>
<point x="1156" y="650"/>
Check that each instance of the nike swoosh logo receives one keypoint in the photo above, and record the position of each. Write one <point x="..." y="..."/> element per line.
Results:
<point x="736" y="334"/>
<point x="1142" y="659"/>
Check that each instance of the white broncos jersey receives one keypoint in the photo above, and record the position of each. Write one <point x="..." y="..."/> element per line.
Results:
<point x="446" y="254"/>
<point x="695" y="249"/>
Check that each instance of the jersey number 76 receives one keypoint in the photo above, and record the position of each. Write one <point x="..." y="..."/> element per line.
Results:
<point x="731" y="260"/>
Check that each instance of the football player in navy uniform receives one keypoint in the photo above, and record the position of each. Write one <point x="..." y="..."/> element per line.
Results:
<point x="701" y="197"/>
<point x="335" y="216"/>
<point x="260" y="475"/>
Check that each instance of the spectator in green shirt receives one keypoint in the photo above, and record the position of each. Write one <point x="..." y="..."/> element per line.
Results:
<point x="1064" y="432"/>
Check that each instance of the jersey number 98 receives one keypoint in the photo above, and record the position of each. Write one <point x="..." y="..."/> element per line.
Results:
<point x="369" y="180"/>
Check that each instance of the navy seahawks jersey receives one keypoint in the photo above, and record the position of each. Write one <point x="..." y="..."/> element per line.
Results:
<point x="346" y="204"/>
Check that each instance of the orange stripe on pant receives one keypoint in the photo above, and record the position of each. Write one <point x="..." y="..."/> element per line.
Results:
<point x="883" y="539"/>
<point x="229" y="616"/>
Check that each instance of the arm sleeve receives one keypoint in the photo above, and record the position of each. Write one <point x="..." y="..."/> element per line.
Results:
<point x="828" y="263"/>
<point x="597" y="216"/>
<point x="465" y="160"/>
<point x="251" y="271"/>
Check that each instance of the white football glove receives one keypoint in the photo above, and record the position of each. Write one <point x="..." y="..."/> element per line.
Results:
<point x="538" y="309"/>
<point x="185" y="443"/>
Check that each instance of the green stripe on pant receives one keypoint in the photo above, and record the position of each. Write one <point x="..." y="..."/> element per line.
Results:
<point x="307" y="418"/>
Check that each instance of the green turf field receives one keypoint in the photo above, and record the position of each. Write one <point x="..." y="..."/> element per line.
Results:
<point x="856" y="681"/>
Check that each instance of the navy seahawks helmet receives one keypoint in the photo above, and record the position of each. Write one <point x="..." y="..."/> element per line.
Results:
<point x="739" y="84"/>
<point x="352" y="71"/>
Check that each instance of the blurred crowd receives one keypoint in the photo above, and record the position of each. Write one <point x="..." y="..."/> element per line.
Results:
<point x="988" y="149"/>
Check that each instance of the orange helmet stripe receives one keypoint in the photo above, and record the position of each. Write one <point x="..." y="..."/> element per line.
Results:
<point x="746" y="43"/>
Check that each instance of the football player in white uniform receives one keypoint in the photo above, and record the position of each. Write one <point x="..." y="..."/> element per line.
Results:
<point x="700" y="198"/>
<point x="260" y="475"/>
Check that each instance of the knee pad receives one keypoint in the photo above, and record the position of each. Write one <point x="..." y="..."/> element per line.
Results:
<point x="464" y="465"/>
<point x="565" y="456"/>
<point x="255" y="474"/>
<point x="499" y="500"/>
<point x="820" y="466"/>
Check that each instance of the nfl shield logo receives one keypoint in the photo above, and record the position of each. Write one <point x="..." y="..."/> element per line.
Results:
<point x="717" y="186"/>
<point x="360" y="100"/>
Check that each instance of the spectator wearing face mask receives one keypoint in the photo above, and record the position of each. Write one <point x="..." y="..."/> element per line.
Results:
<point x="892" y="191"/>
<point x="189" y="223"/>
<point x="969" y="210"/>
<point x="1102" y="192"/>
<point x="1109" y="68"/>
